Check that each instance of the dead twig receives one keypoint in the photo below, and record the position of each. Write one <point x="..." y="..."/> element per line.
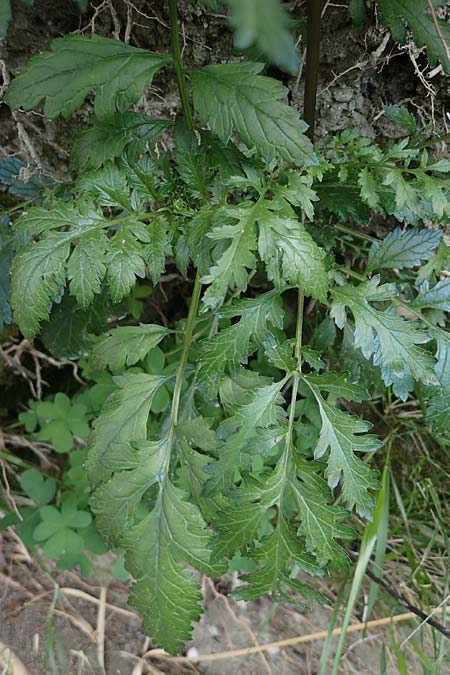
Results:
<point x="9" y="497"/>
<point x="101" y="613"/>
<point x="82" y="595"/>
<point x="39" y="448"/>
<point x="13" y="354"/>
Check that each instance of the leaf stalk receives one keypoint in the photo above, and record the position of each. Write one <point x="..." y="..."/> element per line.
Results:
<point x="297" y="353"/>
<point x="196" y="293"/>
<point x="193" y="309"/>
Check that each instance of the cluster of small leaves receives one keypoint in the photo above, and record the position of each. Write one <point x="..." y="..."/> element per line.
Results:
<point x="59" y="421"/>
<point x="403" y="182"/>
<point x="60" y="520"/>
<point x="62" y="531"/>
<point x="81" y="246"/>
<point x="230" y="445"/>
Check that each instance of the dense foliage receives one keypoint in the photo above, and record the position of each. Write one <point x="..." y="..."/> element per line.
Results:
<point x="227" y="436"/>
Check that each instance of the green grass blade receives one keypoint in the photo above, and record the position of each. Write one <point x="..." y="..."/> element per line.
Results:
<point x="380" y="548"/>
<point x="332" y="625"/>
<point x="367" y="545"/>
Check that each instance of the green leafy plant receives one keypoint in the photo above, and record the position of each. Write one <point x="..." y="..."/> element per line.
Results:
<point x="236" y="434"/>
<point x="59" y="421"/>
<point x="64" y="529"/>
<point x="59" y="518"/>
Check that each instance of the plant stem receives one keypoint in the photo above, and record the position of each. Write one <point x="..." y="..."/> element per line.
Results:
<point x="7" y="457"/>
<point x="193" y="309"/>
<point x="177" y="64"/>
<point x="355" y="233"/>
<point x="299" y="327"/>
<point x="297" y="350"/>
<point x="15" y="460"/>
<point x="352" y="273"/>
<point x="195" y="299"/>
<point x="418" y="314"/>
<point x="435" y="139"/>
<point x="312" y="64"/>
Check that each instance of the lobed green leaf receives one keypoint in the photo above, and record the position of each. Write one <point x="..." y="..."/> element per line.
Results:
<point x="384" y="335"/>
<point x="75" y="66"/>
<point x="233" y="97"/>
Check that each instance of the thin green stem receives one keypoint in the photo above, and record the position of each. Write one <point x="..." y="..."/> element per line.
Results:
<point x="297" y="374"/>
<point x="16" y="207"/>
<point x="388" y="167"/>
<point x="352" y="273"/>
<point x="177" y="64"/>
<point x="193" y="309"/>
<point x="434" y="140"/>
<point x="15" y="460"/>
<point x="299" y="327"/>
<point x="355" y="233"/>
<point x="196" y="293"/>
<point x="418" y="314"/>
<point x="7" y="457"/>
<point x="295" y="382"/>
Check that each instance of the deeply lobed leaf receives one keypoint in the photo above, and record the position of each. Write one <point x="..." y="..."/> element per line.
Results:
<point x="107" y="139"/>
<point x="122" y="421"/>
<point x="234" y="97"/>
<point x="403" y="249"/>
<point x="158" y="548"/>
<point x="291" y="255"/>
<point x="384" y="335"/>
<point x="232" y="346"/>
<point x="436" y="297"/>
<point x="254" y="428"/>
<point x="75" y="66"/>
<point x="344" y="435"/>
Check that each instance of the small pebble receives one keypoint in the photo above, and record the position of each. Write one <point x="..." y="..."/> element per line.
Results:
<point x="213" y="630"/>
<point x="273" y="650"/>
<point x="343" y="94"/>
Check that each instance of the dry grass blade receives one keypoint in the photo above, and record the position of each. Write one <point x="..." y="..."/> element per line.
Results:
<point x="82" y="595"/>
<point x="426" y="620"/>
<point x="101" y="613"/>
<point x="144" y="666"/>
<point x="139" y="667"/>
<point x="79" y="622"/>
<point x="11" y="662"/>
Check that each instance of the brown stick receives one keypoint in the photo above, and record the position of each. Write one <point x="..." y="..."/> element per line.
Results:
<point x="312" y="64"/>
